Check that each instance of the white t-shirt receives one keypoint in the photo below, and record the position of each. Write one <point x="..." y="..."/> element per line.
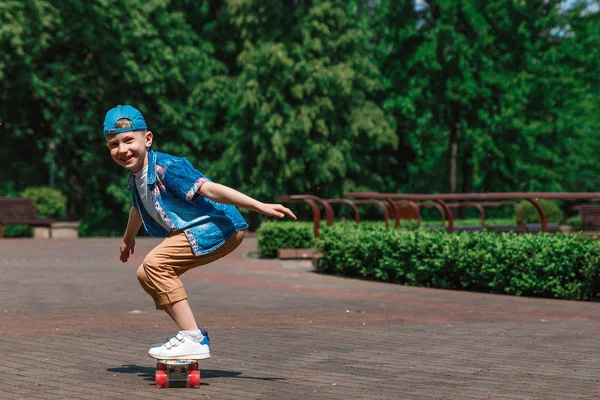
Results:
<point x="141" y="181"/>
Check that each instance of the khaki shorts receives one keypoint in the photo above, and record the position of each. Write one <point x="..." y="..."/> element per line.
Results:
<point x="160" y="271"/>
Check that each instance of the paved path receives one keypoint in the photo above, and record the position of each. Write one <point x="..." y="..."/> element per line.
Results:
<point x="76" y="325"/>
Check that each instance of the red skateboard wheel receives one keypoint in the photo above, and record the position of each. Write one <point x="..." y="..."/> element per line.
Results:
<point x="161" y="378"/>
<point x="193" y="379"/>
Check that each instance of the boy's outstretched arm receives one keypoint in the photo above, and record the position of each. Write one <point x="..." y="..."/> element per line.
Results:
<point x="133" y="226"/>
<point x="226" y="195"/>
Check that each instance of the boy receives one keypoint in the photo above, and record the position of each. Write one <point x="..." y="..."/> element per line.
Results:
<point x="197" y="217"/>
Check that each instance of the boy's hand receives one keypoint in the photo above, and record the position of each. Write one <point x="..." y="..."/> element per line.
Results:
<point x="126" y="249"/>
<point x="276" y="210"/>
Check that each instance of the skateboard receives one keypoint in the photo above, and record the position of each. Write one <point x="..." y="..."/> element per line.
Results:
<point x="177" y="373"/>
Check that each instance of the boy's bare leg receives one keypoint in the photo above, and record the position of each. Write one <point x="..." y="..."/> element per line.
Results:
<point x="170" y="314"/>
<point x="197" y="345"/>
<point x="182" y="315"/>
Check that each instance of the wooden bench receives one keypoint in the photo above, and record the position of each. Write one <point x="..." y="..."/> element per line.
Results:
<point x="590" y="214"/>
<point x="19" y="211"/>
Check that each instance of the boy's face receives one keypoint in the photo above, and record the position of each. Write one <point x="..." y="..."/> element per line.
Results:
<point x="130" y="149"/>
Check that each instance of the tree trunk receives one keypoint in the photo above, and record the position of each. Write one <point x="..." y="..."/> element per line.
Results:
<point x="467" y="179"/>
<point x="453" y="147"/>
<point x="467" y="174"/>
<point x="76" y="197"/>
<point x="452" y="161"/>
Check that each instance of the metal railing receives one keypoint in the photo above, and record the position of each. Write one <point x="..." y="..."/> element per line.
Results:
<point x="532" y="197"/>
<point x="392" y="201"/>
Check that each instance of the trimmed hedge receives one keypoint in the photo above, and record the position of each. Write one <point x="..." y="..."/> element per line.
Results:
<point x="273" y="235"/>
<point x="542" y="265"/>
<point x="283" y="235"/>
<point x="412" y="224"/>
<point x="576" y="221"/>
<point x="551" y="208"/>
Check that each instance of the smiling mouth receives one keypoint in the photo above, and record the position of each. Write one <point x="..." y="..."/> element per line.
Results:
<point x="125" y="159"/>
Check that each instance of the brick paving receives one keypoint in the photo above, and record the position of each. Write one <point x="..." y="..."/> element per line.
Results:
<point x="76" y="325"/>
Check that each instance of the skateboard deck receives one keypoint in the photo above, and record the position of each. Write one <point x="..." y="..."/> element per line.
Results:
<point x="177" y="373"/>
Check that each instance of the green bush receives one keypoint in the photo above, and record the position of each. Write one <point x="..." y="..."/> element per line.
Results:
<point x="412" y="224"/>
<point x="543" y="265"/>
<point x="273" y="235"/>
<point x="554" y="213"/>
<point x="283" y="235"/>
<point x="17" y="231"/>
<point x="50" y="203"/>
<point x="576" y="221"/>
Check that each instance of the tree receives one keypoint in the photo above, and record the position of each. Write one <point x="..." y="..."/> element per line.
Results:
<point x="302" y="112"/>
<point x="84" y="58"/>
<point x="492" y="80"/>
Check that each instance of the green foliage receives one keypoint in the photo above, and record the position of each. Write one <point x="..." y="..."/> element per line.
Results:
<point x="540" y="265"/>
<point x="283" y="235"/>
<point x="554" y="213"/>
<point x="49" y="203"/>
<point x="17" y="231"/>
<point x="299" y="234"/>
<point x="303" y="116"/>
<point x="412" y="224"/>
<point x="277" y="97"/>
<point x="8" y="189"/>
<point x="494" y="90"/>
<point x="64" y="64"/>
<point x="576" y="221"/>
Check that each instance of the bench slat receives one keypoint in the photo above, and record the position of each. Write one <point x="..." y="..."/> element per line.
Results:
<point x="11" y="221"/>
<point x="590" y="214"/>
<point x="20" y="211"/>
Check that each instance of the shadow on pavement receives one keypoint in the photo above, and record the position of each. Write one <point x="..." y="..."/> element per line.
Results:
<point x="212" y="373"/>
<point x="148" y="373"/>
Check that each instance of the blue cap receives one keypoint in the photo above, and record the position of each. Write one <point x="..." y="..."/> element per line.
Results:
<point x="128" y="112"/>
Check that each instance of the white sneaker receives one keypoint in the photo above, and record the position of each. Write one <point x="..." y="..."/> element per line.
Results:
<point x="205" y="340"/>
<point x="182" y="346"/>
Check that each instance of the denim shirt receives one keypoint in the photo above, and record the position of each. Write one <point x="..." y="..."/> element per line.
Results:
<point x="172" y="184"/>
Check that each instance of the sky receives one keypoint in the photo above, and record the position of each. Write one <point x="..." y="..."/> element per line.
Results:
<point x="592" y="5"/>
